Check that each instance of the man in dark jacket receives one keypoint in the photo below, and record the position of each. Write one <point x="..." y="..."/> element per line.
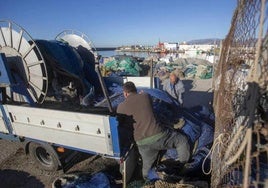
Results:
<point x="148" y="134"/>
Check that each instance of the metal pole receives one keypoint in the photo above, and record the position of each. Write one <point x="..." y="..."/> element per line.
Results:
<point x="151" y="74"/>
<point x="4" y="95"/>
<point x="104" y="89"/>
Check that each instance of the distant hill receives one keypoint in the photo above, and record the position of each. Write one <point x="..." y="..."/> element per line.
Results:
<point x="204" y="41"/>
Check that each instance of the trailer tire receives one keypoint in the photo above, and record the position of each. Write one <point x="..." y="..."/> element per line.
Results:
<point x="44" y="156"/>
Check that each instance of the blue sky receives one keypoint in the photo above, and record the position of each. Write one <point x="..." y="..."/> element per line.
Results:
<point x="123" y="22"/>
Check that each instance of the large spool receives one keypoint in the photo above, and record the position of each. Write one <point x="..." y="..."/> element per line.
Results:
<point x="80" y="41"/>
<point x="25" y="61"/>
<point x="76" y="39"/>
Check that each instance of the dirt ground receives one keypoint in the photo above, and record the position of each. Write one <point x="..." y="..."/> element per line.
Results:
<point x="17" y="170"/>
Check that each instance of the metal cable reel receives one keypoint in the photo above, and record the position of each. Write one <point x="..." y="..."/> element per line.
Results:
<point x="76" y="39"/>
<point x="26" y="64"/>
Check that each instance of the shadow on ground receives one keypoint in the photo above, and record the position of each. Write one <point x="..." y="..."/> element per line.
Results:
<point x="15" y="178"/>
<point x="196" y="94"/>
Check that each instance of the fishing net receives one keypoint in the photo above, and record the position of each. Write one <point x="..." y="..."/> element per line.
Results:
<point x="125" y="66"/>
<point x="240" y="150"/>
<point x="186" y="67"/>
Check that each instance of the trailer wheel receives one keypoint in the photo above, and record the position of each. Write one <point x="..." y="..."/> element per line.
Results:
<point x="44" y="156"/>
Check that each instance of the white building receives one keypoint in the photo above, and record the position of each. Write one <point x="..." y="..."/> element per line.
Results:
<point x="197" y="51"/>
<point x="171" y="46"/>
<point x="201" y="47"/>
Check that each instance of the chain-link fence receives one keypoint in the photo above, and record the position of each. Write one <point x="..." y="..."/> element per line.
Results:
<point x="240" y="150"/>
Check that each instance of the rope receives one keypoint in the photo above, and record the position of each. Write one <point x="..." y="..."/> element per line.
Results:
<point x="220" y="142"/>
<point x="237" y="135"/>
<point x="240" y="149"/>
<point x="246" y="173"/>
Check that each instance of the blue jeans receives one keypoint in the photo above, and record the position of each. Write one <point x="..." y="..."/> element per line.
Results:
<point x="171" y="139"/>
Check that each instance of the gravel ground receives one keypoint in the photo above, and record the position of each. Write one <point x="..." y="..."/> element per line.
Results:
<point x="17" y="170"/>
<point x="8" y="148"/>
